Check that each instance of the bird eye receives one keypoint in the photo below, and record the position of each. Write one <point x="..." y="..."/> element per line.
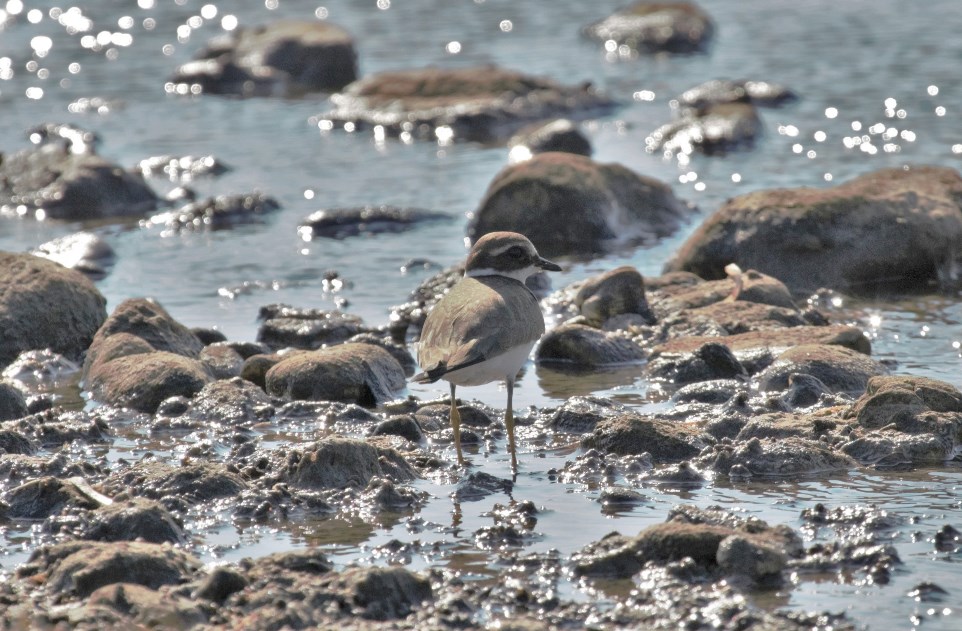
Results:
<point x="516" y="252"/>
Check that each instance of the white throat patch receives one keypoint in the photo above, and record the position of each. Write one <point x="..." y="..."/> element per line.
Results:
<point x="518" y="274"/>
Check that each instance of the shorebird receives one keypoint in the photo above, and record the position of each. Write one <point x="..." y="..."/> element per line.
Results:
<point x="483" y="329"/>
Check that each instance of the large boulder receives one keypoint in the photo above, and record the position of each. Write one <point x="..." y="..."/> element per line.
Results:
<point x="285" y="58"/>
<point x="53" y="182"/>
<point x="482" y="104"/>
<point x="895" y="229"/>
<point x="571" y="205"/>
<point x="656" y="27"/>
<point x="353" y="372"/>
<point x="44" y="305"/>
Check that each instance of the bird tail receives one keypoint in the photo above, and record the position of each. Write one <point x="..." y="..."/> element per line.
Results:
<point x="431" y="374"/>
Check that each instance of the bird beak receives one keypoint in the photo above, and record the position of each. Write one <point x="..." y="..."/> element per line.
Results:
<point x="547" y="265"/>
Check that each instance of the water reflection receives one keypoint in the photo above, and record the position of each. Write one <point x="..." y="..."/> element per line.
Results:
<point x="561" y="383"/>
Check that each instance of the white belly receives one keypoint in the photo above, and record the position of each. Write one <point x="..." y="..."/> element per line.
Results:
<point x="503" y="366"/>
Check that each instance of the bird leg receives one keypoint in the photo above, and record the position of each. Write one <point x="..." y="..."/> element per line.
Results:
<point x="456" y="425"/>
<point x="509" y="423"/>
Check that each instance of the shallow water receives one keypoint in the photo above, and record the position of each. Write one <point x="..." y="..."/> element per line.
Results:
<point x="878" y="73"/>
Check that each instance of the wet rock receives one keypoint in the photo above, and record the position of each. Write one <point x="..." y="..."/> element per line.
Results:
<point x="41" y="498"/>
<point x="53" y="182"/>
<point x="183" y="168"/>
<point x="79" y="568"/>
<point x="656" y="27"/>
<point x="126" y="604"/>
<point x="616" y="292"/>
<point x="12" y="403"/>
<point x="384" y="593"/>
<point x="220" y="584"/>
<point x="893" y="399"/>
<point x="145" y="319"/>
<point x="339" y="223"/>
<point x="398" y="351"/>
<point x="216" y="213"/>
<point x="757" y="555"/>
<point x="282" y="58"/>
<point x="285" y="326"/>
<point x="856" y="519"/>
<point x="770" y="340"/>
<point x="570" y="205"/>
<point x="256" y="366"/>
<point x="899" y="232"/>
<point x="14" y="442"/>
<point x="143" y="381"/>
<point x="578" y="415"/>
<point x="335" y="463"/>
<point x="383" y="495"/>
<point x="133" y="519"/>
<point x="560" y="134"/>
<point x="221" y="361"/>
<point x="580" y="345"/>
<point x="714" y="129"/>
<point x="355" y="373"/>
<point x="478" y="485"/>
<point x="75" y="139"/>
<point x="712" y="391"/>
<point x="635" y="434"/>
<point x="839" y="369"/>
<point x="44" y="305"/>
<point x="230" y="402"/>
<point x="480" y="104"/>
<point x="192" y="483"/>
<point x="86" y="252"/>
<point x="717" y="91"/>
<point x="403" y="425"/>
<point x="681" y="291"/>
<point x="55" y="427"/>
<point x="675" y="475"/>
<point x="805" y="390"/>
<point x="709" y="362"/>
<point x="784" y="456"/>
<point x="40" y="370"/>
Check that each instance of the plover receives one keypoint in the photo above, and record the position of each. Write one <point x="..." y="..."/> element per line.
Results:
<point x="483" y="329"/>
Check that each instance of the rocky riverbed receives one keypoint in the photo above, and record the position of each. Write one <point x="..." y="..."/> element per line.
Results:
<point x="746" y="411"/>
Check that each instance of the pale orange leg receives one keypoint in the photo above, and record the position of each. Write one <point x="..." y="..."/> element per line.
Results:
<point x="456" y="425"/>
<point x="509" y="423"/>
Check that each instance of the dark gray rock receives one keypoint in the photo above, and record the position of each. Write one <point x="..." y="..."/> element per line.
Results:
<point x="403" y="425"/>
<point x="354" y="373"/>
<point x="570" y="205"/>
<point x="285" y="326"/>
<point x="336" y="463"/>
<point x="656" y="27"/>
<point x="133" y="519"/>
<point x="839" y="369"/>
<point x="634" y="434"/>
<point x="86" y="252"/>
<point x="143" y="381"/>
<point x="714" y="129"/>
<point x="52" y="182"/>
<point x="889" y="230"/>
<point x="717" y="91"/>
<point x="220" y="584"/>
<point x="192" y="483"/>
<point x="480" y="104"/>
<point x="79" y="568"/>
<point x="44" y="305"/>
<point x="282" y="58"/>
<point x="560" y="134"/>
<point x="580" y="345"/>
<point x="216" y="213"/>
<point x="339" y="223"/>
<point x="13" y="405"/>
<point x="43" y="497"/>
